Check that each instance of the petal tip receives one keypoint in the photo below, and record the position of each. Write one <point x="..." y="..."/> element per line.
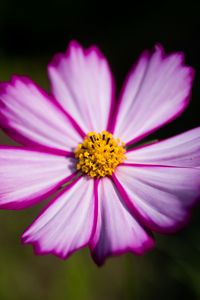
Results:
<point x="101" y="260"/>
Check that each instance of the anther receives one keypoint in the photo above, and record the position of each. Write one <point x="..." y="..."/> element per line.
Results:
<point x="92" y="138"/>
<point x="108" y="139"/>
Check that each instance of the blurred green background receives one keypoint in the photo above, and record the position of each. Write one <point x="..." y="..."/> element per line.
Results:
<point x="31" y="32"/>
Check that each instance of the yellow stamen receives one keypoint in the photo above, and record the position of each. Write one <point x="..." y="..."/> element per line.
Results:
<point x="99" y="154"/>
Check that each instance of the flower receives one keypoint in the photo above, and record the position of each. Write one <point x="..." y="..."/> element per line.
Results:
<point x="113" y="196"/>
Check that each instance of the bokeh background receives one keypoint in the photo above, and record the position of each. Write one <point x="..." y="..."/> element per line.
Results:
<point x="30" y="33"/>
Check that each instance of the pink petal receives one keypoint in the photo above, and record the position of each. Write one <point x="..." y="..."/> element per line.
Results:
<point x="27" y="176"/>
<point x="117" y="230"/>
<point x="67" y="223"/>
<point x="82" y="83"/>
<point x="155" y="92"/>
<point x="31" y="117"/>
<point x="182" y="150"/>
<point x="162" y="196"/>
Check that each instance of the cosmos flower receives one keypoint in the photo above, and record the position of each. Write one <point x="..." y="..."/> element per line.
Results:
<point x="113" y="196"/>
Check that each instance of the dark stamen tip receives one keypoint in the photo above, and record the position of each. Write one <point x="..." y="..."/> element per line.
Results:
<point x="92" y="138"/>
<point x="107" y="141"/>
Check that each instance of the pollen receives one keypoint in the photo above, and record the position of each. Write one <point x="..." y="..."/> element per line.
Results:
<point x="99" y="154"/>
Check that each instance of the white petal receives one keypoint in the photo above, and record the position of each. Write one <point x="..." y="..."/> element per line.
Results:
<point x="67" y="223"/>
<point x="27" y="176"/>
<point x="182" y="150"/>
<point x="82" y="83"/>
<point x="117" y="230"/>
<point x="162" y="196"/>
<point x="156" y="91"/>
<point x="32" y="117"/>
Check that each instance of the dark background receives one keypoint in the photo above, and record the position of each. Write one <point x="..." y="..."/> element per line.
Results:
<point x="30" y="33"/>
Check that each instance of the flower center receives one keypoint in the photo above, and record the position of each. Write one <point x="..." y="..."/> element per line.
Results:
<point x="99" y="154"/>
